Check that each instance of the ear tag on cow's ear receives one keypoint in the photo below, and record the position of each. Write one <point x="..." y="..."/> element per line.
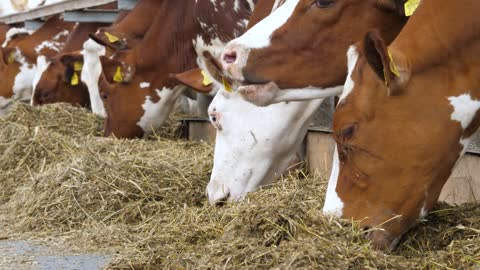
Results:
<point x="11" y="58"/>
<point x="111" y="38"/>
<point x="75" y="79"/>
<point x="227" y="86"/>
<point x="411" y="6"/>
<point x="118" y="75"/>
<point x="206" y="79"/>
<point x="77" y="66"/>
<point x="393" y="66"/>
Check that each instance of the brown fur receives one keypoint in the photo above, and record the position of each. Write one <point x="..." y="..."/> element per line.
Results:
<point x="405" y="146"/>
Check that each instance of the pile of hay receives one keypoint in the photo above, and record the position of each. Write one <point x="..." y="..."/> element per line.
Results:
<point x="145" y="201"/>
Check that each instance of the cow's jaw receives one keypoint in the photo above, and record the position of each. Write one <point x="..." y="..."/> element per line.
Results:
<point x="91" y="72"/>
<point x="155" y="114"/>
<point x="254" y="145"/>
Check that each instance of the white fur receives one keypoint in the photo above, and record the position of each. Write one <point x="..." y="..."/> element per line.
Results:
<point x="91" y="71"/>
<point x="254" y="145"/>
<point x="22" y="87"/>
<point x="156" y="113"/>
<point x="464" y="109"/>
<point x="144" y="85"/>
<point x="13" y="32"/>
<point x="352" y="56"/>
<point x="333" y="204"/>
<point x="42" y="65"/>
<point x="259" y="36"/>
<point x="53" y="44"/>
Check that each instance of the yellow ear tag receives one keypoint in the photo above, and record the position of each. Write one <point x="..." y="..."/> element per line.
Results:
<point x="111" y="38"/>
<point x="411" y="6"/>
<point x="77" y="66"/>
<point x="206" y="79"/>
<point x="393" y="67"/>
<point x="118" y="75"/>
<point x="11" y="58"/>
<point x="227" y="86"/>
<point x="74" y="80"/>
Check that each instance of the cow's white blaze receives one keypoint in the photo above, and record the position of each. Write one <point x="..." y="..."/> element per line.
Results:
<point x="42" y="65"/>
<point x="333" y="204"/>
<point x="156" y="113"/>
<point x="91" y="71"/>
<point x="352" y="57"/>
<point x="259" y="35"/>
<point x="254" y="145"/>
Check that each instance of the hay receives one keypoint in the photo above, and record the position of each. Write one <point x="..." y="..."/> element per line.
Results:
<point x="145" y="200"/>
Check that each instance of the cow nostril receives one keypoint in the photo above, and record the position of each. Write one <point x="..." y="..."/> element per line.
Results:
<point x="223" y="201"/>
<point x="230" y="57"/>
<point x="366" y="231"/>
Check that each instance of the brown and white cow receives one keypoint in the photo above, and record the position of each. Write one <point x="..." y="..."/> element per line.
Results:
<point x="277" y="60"/>
<point x="255" y="144"/>
<point x="128" y="30"/>
<point x="405" y="118"/>
<point x="59" y="82"/>
<point x="18" y="59"/>
<point x="136" y="86"/>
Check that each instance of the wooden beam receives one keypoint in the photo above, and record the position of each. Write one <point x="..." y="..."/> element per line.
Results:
<point x="52" y="9"/>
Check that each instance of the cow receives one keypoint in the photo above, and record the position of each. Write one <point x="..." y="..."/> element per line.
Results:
<point x="130" y="27"/>
<point x="277" y="59"/>
<point x="125" y="34"/>
<point x="59" y="82"/>
<point x="254" y="144"/>
<point x="136" y="86"/>
<point x="4" y="28"/>
<point x="18" y="59"/>
<point x="405" y="118"/>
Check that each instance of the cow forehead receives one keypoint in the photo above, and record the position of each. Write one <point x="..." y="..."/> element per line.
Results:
<point x="259" y="36"/>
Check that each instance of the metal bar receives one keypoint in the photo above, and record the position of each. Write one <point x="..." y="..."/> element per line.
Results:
<point x="86" y="16"/>
<point x="52" y="9"/>
<point x="33" y="25"/>
<point x="126" y="4"/>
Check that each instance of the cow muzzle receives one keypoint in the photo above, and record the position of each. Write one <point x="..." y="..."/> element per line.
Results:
<point x="234" y="59"/>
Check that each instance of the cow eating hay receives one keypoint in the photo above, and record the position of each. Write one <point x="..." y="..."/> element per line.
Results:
<point x="146" y="200"/>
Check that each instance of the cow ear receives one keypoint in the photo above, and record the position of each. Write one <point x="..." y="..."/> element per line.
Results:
<point x="196" y="79"/>
<point x="390" y="67"/>
<point x="73" y="64"/>
<point x="397" y="6"/>
<point x="7" y="56"/>
<point x="113" y="70"/>
<point x="108" y="39"/>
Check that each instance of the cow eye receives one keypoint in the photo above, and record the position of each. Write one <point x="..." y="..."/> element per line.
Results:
<point x="324" y="3"/>
<point x="213" y="118"/>
<point x="347" y="132"/>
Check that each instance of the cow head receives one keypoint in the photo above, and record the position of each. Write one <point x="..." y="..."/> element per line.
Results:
<point x="135" y="105"/>
<point x="58" y="80"/>
<point x="398" y="135"/>
<point x="282" y="53"/>
<point x="17" y="75"/>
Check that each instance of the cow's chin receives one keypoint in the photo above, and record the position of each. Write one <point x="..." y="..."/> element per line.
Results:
<point x="259" y="94"/>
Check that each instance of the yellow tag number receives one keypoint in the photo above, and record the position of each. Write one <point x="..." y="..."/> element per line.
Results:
<point x="118" y="75"/>
<point x="75" y="79"/>
<point x="111" y="38"/>
<point x="206" y="79"/>
<point x="411" y="6"/>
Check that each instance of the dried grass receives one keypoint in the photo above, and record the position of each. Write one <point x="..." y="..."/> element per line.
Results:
<point x="146" y="201"/>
